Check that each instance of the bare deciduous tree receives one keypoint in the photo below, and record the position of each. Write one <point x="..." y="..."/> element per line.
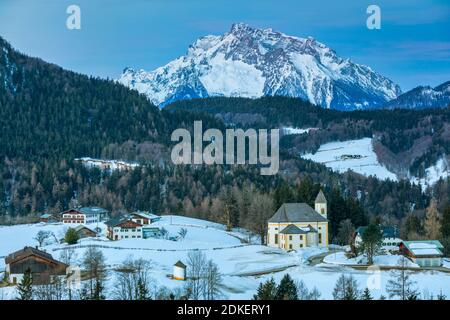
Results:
<point x="68" y="256"/>
<point x="261" y="208"/>
<point x="212" y="281"/>
<point x="303" y="293"/>
<point x="55" y="290"/>
<point x="182" y="233"/>
<point x="95" y="268"/>
<point x="345" y="232"/>
<point x="432" y="222"/>
<point x="42" y="236"/>
<point x="133" y="280"/>
<point x="197" y="265"/>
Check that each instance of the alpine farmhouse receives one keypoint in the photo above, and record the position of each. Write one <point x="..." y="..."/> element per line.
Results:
<point x="84" y="215"/>
<point x="41" y="264"/>
<point x="297" y="225"/>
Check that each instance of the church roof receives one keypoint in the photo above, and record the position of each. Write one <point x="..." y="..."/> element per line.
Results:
<point x="320" y="198"/>
<point x="296" y="212"/>
<point x="293" y="229"/>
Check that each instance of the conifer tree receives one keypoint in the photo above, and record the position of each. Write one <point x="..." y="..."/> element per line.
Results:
<point x="71" y="236"/>
<point x="445" y="231"/>
<point x="143" y="293"/>
<point x="366" y="295"/>
<point x="266" y="291"/>
<point x="25" y="288"/>
<point x="287" y="289"/>
<point x="371" y="241"/>
<point x="445" y="227"/>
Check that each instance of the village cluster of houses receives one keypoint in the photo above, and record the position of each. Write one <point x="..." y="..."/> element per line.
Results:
<point x="44" y="268"/>
<point x="136" y="225"/>
<point x="294" y="226"/>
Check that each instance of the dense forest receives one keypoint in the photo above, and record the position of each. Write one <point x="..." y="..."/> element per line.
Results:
<point x="407" y="141"/>
<point x="49" y="116"/>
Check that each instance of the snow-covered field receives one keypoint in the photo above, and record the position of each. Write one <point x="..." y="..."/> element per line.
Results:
<point x="355" y="155"/>
<point x="234" y="256"/>
<point x="243" y="264"/>
<point x="385" y="260"/>
<point x="358" y="156"/>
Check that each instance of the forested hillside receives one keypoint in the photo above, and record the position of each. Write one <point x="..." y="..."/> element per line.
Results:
<point x="407" y="140"/>
<point x="49" y="116"/>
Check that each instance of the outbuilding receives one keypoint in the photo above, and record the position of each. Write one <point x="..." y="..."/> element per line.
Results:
<point x="85" y="232"/>
<point x="179" y="271"/>
<point x="49" y="218"/>
<point x="41" y="264"/>
<point x="426" y="253"/>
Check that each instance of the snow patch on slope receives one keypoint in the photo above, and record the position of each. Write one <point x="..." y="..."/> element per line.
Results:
<point x="432" y="174"/>
<point x="233" y="78"/>
<point x="355" y="155"/>
<point x="291" y="130"/>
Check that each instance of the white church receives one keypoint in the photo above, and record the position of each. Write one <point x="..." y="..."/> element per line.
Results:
<point x="297" y="225"/>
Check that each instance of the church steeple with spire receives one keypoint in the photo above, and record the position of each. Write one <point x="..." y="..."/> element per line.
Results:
<point x="320" y="204"/>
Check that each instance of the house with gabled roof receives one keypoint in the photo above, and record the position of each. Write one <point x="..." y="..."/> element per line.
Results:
<point x="390" y="237"/>
<point x="85" y="232"/>
<point x="144" y="217"/>
<point x="123" y="228"/>
<point x="41" y="264"/>
<point x="49" y="218"/>
<point x="84" y="215"/>
<point x="297" y="225"/>
<point x="426" y="253"/>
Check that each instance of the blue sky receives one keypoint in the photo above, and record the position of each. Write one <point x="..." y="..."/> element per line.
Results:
<point x="412" y="47"/>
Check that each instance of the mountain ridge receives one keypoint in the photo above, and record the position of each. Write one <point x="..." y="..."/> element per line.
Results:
<point x="251" y="63"/>
<point x="423" y="97"/>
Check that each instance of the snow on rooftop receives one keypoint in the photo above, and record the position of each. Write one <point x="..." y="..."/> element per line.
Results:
<point x="293" y="130"/>
<point x="426" y="252"/>
<point x="243" y="265"/>
<point x="422" y="245"/>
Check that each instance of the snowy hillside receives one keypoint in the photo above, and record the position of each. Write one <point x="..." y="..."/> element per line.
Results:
<point x="359" y="156"/>
<point x="355" y="155"/>
<point x="243" y="265"/>
<point x="433" y="173"/>
<point x="234" y="257"/>
<point x="250" y="62"/>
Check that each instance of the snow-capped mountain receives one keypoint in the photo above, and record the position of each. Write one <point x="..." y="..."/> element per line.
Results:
<point x="423" y="97"/>
<point x="250" y="62"/>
